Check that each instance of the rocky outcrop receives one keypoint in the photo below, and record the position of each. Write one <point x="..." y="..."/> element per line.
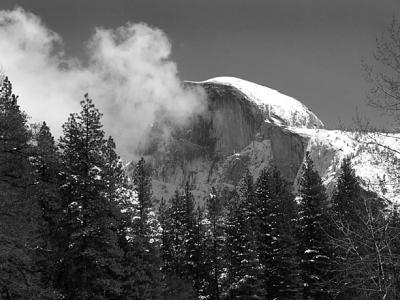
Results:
<point x="236" y="133"/>
<point x="216" y="148"/>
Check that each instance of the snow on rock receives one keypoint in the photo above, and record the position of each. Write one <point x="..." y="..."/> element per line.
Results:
<point x="374" y="165"/>
<point x="279" y="108"/>
<point x="249" y="126"/>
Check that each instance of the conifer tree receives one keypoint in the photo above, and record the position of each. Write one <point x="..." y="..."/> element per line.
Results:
<point x="194" y="243"/>
<point x="20" y="276"/>
<point x="165" y="223"/>
<point x="200" y="272"/>
<point x="345" y="220"/>
<point x="181" y="236"/>
<point x="177" y="219"/>
<point x="117" y="187"/>
<point x="313" y="248"/>
<point x="47" y="167"/>
<point x="246" y="193"/>
<point x="276" y="244"/>
<point x="91" y="264"/>
<point x="189" y="233"/>
<point x="172" y="285"/>
<point x="141" y="260"/>
<point x="241" y="257"/>
<point x="214" y="245"/>
<point x="346" y="200"/>
<point x="142" y="189"/>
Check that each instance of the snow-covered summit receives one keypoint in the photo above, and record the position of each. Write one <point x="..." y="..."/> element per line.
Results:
<point x="279" y="108"/>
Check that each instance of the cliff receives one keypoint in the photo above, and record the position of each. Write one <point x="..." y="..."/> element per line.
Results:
<point x="250" y="126"/>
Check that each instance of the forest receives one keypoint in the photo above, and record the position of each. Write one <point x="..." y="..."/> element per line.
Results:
<point x="75" y="225"/>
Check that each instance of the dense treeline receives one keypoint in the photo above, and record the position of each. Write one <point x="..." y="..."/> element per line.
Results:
<point x="73" y="225"/>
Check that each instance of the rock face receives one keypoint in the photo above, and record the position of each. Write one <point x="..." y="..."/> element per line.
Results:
<point x="247" y="126"/>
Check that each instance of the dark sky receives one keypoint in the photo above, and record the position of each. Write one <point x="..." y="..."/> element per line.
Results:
<point x="308" y="49"/>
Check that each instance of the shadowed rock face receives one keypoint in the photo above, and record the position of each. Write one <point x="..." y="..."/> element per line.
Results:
<point x="287" y="149"/>
<point x="218" y="146"/>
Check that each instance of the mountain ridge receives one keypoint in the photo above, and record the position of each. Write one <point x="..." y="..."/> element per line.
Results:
<point x="236" y="133"/>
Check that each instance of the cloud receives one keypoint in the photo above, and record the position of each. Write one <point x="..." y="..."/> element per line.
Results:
<point x="129" y="75"/>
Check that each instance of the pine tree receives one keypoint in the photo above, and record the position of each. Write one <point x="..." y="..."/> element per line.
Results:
<point x="193" y="243"/>
<point x="246" y="193"/>
<point x="345" y="218"/>
<point x="189" y="234"/>
<point x="142" y="278"/>
<point x="243" y="271"/>
<point x="91" y="255"/>
<point x="20" y="276"/>
<point x="181" y="241"/>
<point x="177" y="219"/>
<point x="214" y="245"/>
<point x="276" y="244"/>
<point x="165" y="224"/>
<point x="346" y="200"/>
<point x="142" y="189"/>
<point x="313" y="249"/>
<point x="200" y="272"/>
<point x="47" y="167"/>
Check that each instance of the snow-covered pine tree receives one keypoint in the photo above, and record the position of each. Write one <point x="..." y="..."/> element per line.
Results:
<point x="242" y="280"/>
<point x="142" y="188"/>
<point x="189" y="238"/>
<point x="215" y="240"/>
<point x="182" y="238"/>
<point x="346" y="199"/>
<point x="200" y="271"/>
<point x="91" y="254"/>
<point x="193" y="237"/>
<point x="344" y="214"/>
<point x="313" y="247"/>
<point x="276" y="243"/>
<point x="142" y="260"/>
<point x="20" y="215"/>
<point x="166" y="235"/>
<point x="247" y="197"/>
<point x="176" y="212"/>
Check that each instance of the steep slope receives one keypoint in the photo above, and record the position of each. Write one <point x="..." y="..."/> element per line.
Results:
<point x="250" y="126"/>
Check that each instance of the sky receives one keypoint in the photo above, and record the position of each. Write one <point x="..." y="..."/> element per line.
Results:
<point x="310" y="50"/>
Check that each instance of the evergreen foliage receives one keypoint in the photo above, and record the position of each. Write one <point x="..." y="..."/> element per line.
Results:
<point x="142" y="276"/>
<point x="183" y="239"/>
<point x="74" y="226"/>
<point x="241" y="258"/>
<point x="276" y="245"/>
<point x="91" y="264"/>
<point x="20" y="217"/>
<point x="346" y="200"/>
<point x="46" y="163"/>
<point x="214" y="245"/>
<point x="313" y="248"/>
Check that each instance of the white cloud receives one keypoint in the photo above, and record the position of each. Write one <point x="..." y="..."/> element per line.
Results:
<point x="129" y="75"/>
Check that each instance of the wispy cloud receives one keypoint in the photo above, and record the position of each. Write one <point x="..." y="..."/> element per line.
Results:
<point x="129" y="74"/>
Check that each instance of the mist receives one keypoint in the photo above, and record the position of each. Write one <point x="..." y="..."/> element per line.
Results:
<point x="128" y="74"/>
